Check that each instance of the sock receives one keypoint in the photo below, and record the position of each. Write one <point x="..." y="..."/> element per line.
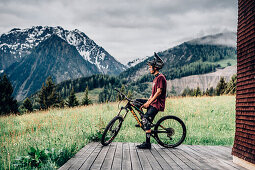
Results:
<point x="148" y="135"/>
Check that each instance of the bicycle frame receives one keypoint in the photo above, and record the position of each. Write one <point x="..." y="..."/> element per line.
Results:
<point x="129" y="107"/>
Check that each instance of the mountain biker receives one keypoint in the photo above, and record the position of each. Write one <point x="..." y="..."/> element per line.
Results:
<point x="156" y="102"/>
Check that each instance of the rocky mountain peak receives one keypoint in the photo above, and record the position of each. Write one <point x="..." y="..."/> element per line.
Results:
<point x="21" y="41"/>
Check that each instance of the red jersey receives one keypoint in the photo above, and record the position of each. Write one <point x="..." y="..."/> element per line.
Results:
<point x="159" y="82"/>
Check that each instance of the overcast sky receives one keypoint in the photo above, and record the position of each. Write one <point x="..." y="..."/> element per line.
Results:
<point x="126" y="29"/>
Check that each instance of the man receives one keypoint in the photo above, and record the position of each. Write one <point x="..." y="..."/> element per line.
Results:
<point x="156" y="102"/>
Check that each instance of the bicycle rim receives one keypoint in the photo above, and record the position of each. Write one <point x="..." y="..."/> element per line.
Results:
<point x="170" y="131"/>
<point x="111" y="130"/>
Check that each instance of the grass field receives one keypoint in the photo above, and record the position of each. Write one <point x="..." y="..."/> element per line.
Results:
<point x="63" y="132"/>
<point x="93" y="95"/>
<point x="224" y="63"/>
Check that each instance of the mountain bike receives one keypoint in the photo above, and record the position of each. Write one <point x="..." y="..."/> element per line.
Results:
<point x="169" y="131"/>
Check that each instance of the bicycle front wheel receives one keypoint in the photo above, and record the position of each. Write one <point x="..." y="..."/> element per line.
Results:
<point x="111" y="130"/>
<point x="170" y="131"/>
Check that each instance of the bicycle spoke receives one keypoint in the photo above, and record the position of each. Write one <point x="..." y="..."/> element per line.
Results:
<point x="111" y="130"/>
<point x="170" y="132"/>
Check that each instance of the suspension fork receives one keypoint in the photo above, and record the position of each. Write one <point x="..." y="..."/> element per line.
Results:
<point x="124" y="116"/>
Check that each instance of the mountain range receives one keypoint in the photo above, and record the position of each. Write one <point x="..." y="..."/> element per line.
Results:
<point x="29" y="56"/>
<point x="197" y="56"/>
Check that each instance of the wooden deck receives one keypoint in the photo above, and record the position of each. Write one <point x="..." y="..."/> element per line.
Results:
<point x="126" y="156"/>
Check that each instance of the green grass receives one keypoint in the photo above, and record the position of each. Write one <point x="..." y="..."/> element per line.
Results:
<point x="93" y="95"/>
<point x="224" y="63"/>
<point x="209" y="121"/>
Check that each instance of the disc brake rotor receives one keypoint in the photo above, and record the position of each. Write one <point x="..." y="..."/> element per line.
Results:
<point x="170" y="132"/>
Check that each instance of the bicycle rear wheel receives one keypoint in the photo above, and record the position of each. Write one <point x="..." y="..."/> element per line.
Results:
<point x="170" y="131"/>
<point x="111" y="130"/>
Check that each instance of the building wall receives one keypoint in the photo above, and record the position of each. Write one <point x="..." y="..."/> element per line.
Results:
<point x="244" y="144"/>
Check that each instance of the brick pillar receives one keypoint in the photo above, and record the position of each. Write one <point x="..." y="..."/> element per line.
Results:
<point x="244" y="145"/>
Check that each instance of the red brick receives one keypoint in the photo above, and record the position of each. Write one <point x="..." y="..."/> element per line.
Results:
<point x="244" y="144"/>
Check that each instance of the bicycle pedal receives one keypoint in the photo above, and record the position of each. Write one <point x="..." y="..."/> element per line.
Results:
<point x="137" y="125"/>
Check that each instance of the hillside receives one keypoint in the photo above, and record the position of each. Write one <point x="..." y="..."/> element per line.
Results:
<point x="29" y="56"/>
<point x="48" y="58"/>
<point x="63" y="132"/>
<point x="200" y="56"/>
<point x="184" y="60"/>
<point x="192" y="54"/>
<point x="202" y="81"/>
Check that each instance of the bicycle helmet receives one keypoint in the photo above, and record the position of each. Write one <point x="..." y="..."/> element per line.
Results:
<point x="157" y="62"/>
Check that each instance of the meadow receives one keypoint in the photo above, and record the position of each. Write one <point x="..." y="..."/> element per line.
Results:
<point x="47" y="139"/>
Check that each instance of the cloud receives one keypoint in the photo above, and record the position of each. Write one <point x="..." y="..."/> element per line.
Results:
<point x="126" y="29"/>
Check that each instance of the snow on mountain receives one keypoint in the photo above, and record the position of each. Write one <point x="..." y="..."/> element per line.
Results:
<point x="136" y="61"/>
<point x="19" y="42"/>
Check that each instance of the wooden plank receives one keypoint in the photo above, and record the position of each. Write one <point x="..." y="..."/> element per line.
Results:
<point x="226" y="151"/>
<point x="153" y="162"/>
<point x="198" y="156"/>
<point x="218" y="150"/>
<point x="231" y="165"/>
<point x="214" y="163"/>
<point x="187" y="155"/>
<point x="135" y="162"/>
<point x="144" y="161"/>
<point x="117" y="159"/>
<point x="88" y="163"/>
<point x="217" y="157"/>
<point x="184" y="159"/>
<point x="203" y="152"/>
<point x="168" y="159"/>
<point x="224" y="160"/>
<point x="73" y="160"/>
<point x="101" y="157"/>
<point x="208" y="151"/>
<point x="127" y="156"/>
<point x="191" y="152"/>
<point x="84" y="157"/>
<point x="107" y="164"/>
<point x="126" y="162"/>
<point x="159" y="158"/>
<point x="179" y="162"/>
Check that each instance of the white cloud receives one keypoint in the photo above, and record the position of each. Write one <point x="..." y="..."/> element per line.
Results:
<point x="126" y="29"/>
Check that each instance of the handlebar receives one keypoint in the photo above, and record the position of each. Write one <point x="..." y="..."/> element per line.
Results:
<point x="123" y="94"/>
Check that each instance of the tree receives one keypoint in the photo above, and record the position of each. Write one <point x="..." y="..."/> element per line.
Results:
<point x="28" y="105"/>
<point x="197" y="92"/>
<point x="130" y="94"/>
<point x="7" y="103"/>
<point x="185" y="92"/>
<point x="59" y="101"/>
<point x="221" y="86"/>
<point x="107" y="94"/>
<point x="122" y="90"/>
<point x="231" y="85"/>
<point x="206" y="92"/>
<point x="47" y="94"/>
<point x="173" y="92"/>
<point x="72" y="100"/>
<point x="86" y="100"/>
<point x="211" y="91"/>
